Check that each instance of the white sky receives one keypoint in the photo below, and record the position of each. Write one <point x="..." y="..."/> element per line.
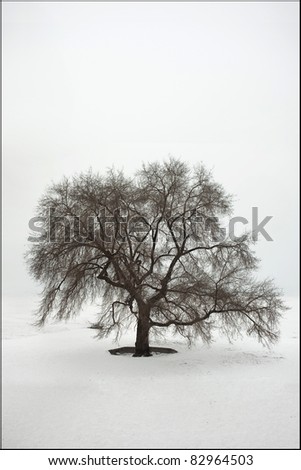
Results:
<point x="96" y="84"/>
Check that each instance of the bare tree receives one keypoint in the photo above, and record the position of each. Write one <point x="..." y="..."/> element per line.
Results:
<point x="152" y="248"/>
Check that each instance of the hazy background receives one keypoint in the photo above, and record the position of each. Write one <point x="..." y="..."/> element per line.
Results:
<point x="95" y="84"/>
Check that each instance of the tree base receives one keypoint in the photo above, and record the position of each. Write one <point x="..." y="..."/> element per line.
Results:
<point x="140" y="354"/>
<point x="128" y="350"/>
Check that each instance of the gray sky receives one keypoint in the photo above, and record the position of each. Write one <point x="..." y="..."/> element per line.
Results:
<point x="96" y="84"/>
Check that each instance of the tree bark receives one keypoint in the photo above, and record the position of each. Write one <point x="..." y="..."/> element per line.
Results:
<point x="142" y="334"/>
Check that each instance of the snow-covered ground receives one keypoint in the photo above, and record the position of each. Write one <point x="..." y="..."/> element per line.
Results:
<point x="62" y="389"/>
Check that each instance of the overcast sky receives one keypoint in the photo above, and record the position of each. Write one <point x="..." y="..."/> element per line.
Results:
<point x="95" y="84"/>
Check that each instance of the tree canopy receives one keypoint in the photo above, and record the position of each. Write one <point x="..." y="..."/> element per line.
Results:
<point x="152" y="248"/>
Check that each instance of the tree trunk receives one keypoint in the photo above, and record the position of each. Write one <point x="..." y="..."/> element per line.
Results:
<point x="142" y="335"/>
